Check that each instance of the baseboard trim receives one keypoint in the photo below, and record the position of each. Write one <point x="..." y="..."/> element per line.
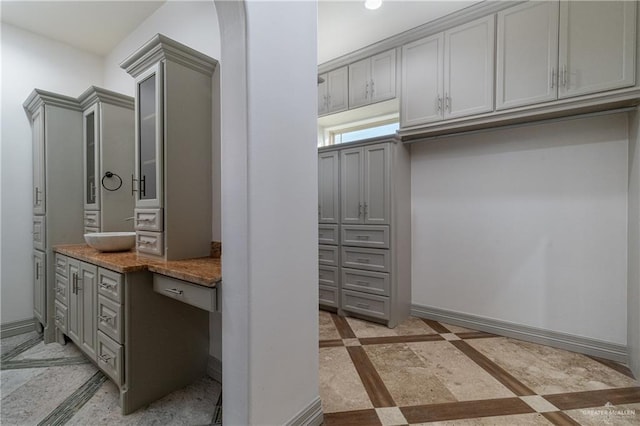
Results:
<point x="554" y="339"/>
<point x="214" y="368"/>
<point x="311" y="415"/>
<point x="17" y="327"/>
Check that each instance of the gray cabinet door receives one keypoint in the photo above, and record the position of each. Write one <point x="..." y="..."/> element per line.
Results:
<point x="74" y="300"/>
<point x="91" y="153"/>
<point x="87" y="290"/>
<point x="38" y="161"/>
<point x="377" y="188"/>
<point x="337" y="90"/>
<point x="328" y="201"/>
<point x="40" y="287"/>
<point x="351" y="185"/>
<point x="323" y="100"/>
<point x="383" y="76"/>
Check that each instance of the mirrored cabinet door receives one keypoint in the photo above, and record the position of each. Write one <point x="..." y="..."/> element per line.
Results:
<point x="148" y="179"/>
<point x="91" y="159"/>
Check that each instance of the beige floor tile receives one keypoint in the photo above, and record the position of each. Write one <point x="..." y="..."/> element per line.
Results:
<point x="49" y="351"/>
<point x="455" y="328"/>
<point x="328" y="329"/>
<point x="460" y="375"/>
<point x="407" y="378"/>
<point x="548" y="370"/>
<point x="620" y="415"/>
<point x="410" y="326"/>
<point x="340" y="386"/>
<point x="391" y="416"/>
<point x="516" y="420"/>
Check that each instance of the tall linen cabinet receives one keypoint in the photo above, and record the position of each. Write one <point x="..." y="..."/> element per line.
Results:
<point x="173" y="149"/>
<point x="364" y="235"/>
<point x="56" y="123"/>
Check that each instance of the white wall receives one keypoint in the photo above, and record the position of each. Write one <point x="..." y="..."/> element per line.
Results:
<point x="29" y="61"/>
<point x="526" y="225"/>
<point x="633" y="295"/>
<point x="269" y="224"/>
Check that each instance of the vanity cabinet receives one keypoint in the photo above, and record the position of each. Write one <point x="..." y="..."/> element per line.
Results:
<point x="365" y="258"/>
<point x="173" y="149"/>
<point x="553" y="50"/>
<point x="108" y="150"/>
<point x="81" y="305"/>
<point x="372" y="79"/>
<point x="448" y="75"/>
<point x="56" y="125"/>
<point x="333" y="92"/>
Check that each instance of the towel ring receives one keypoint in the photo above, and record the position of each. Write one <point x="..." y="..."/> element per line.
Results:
<point x="110" y="175"/>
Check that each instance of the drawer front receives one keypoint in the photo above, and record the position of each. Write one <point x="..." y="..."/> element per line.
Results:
<point x="61" y="264"/>
<point x="60" y="316"/>
<point x="367" y="281"/>
<point x="91" y="229"/>
<point x="328" y="275"/>
<point x="39" y="232"/>
<point x="109" y="357"/>
<point x="110" y="285"/>
<point x="365" y="304"/>
<point x="150" y="242"/>
<point x="328" y="255"/>
<point x="328" y="234"/>
<point x="328" y="296"/>
<point x="191" y="294"/>
<point x="109" y="318"/>
<point x="377" y="260"/>
<point x="62" y="289"/>
<point x="91" y="219"/>
<point x="148" y="220"/>
<point x="376" y="236"/>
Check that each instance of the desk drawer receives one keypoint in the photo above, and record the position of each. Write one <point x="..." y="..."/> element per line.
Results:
<point x="148" y="219"/>
<point x="91" y="219"/>
<point x="328" y="234"/>
<point x="375" y="236"/>
<point x="328" y="296"/>
<point x="39" y="232"/>
<point x="109" y="318"/>
<point x="60" y="316"/>
<point x="366" y="281"/>
<point x="61" y="289"/>
<point x="328" y="275"/>
<point x="150" y="242"/>
<point x="191" y="294"/>
<point x="110" y="357"/>
<point x="110" y="285"/>
<point x="61" y="264"/>
<point x="377" y="260"/>
<point x="365" y="304"/>
<point x="328" y="255"/>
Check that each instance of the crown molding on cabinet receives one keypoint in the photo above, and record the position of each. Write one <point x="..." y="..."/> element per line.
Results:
<point x="97" y="94"/>
<point x="161" y="47"/>
<point x="40" y="97"/>
<point x="468" y="14"/>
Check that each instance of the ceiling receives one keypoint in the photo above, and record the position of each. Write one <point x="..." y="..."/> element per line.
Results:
<point x="98" y="26"/>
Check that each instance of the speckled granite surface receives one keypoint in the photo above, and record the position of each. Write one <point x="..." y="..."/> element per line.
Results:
<point x="204" y="271"/>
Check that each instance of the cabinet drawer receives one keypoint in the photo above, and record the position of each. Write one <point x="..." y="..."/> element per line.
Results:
<point x="61" y="264"/>
<point x="328" y="275"/>
<point x="91" y="229"/>
<point x="148" y="219"/>
<point x="328" y="255"/>
<point x="60" y="316"/>
<point x="61" y="289"/>
<point x="366" y="258"/>
<point x="110" y="285"/>
<point x="366" y="281"/>
<point x="192" y="294"/>
<point x="91" y="219"/>
<point x="328" y="234"/>
<point x="376" y="236"/>
<point x="109" y="357"/>
<point x="109" y="318"/>
<point x="365" y="304"/>
<point x="150" y="242"/>
<point x="328" y="296"/>
<point x="39" y="232"/>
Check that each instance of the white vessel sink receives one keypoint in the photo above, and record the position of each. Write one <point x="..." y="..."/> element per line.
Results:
<point x="111" y="241"/>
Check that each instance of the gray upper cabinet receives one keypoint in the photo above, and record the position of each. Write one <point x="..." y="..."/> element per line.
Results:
<point x="328" y="201"/>
<point x="372" y="79"/>
<point x="364" y="183"/>
<point x="333" y="93"/>
<point x="173" y="140"/>
<point x="37" y="135"/>
<point x="597" y="46"/>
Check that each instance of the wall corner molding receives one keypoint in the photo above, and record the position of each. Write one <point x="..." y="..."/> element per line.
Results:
<point x="311" y="415"/>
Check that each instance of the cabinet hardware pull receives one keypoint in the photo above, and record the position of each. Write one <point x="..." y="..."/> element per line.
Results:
<point x="553" y="76"/>
<point x="564" y="76"/>
<point x="447" y="102"/>
<point x="366" y="210"/>
<point x="362" y="237"/>
<point x="366" y="91"/>
<point x="104" y="358"/>
<point x="363" y="260"/>
<point x="133" y="186"/>
<point x="438" y="104"/>
<point x="107" y="286"/>
<point x="359" y="209"/>
<point x="174" y="291"/>
<point x="143" y="183"/>
<point x="362" y="305"/>
<point x="365" y="283"/>
<point x="59" y="318"/>
<point x="37" y="271"/>
<point x="37" y="202"/>
<point x="104" y="318"/>
<point x="145" y="220"/>
<point x="372" y="88"/>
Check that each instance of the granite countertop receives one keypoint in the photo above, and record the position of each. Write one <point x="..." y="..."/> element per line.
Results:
<point x="205" y="271"/>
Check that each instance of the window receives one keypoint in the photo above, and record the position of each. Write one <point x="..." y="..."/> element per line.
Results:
<point x="364" y="129"/>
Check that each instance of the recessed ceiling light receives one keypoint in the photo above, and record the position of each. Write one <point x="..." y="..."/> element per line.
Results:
<point x="372" y="4"/>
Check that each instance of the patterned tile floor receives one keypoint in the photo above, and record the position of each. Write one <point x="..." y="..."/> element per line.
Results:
<point x="55" y="385"/>
<point x="425" y="372"/>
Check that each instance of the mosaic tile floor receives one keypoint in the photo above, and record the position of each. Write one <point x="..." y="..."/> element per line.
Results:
<point x="56" y="385"/>
<point x="426" y="372"/>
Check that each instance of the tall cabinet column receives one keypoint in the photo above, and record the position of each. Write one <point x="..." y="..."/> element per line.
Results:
<point x="56" y="123"/>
